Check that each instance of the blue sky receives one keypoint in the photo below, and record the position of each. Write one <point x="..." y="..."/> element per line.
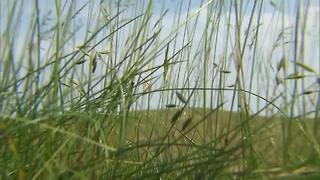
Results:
<point x="271" y="13"/>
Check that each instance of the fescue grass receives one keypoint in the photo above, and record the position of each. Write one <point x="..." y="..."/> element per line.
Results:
<point x="147" y="90"/>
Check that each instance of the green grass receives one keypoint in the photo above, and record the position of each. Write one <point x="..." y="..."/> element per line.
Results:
<point x="123" y="90"/>
<point x="72" y="145"/>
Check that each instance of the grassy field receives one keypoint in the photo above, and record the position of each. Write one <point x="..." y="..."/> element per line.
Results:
<point x="72" y="146"/>
<point x="149" y="89"/>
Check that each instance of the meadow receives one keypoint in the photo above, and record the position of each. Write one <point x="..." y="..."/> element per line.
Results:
<point x="186" y="89"/>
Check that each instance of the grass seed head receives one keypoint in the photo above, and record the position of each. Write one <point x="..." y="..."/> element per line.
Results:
<point x="225" y="71"/>
<point x="186" y="123"/>
<point x="306" y="67"/>
<point x="171" y="105"/>
<point x="295" y="76"/>
<point x="81" y="61"/>
<point x="147" y="87"/>
<point x="181" y="98"/>
<point x="278" y="79"/>
<point x="307" y="92"/>
<point x="94" y="63"/>
<point x="176" y="116"/>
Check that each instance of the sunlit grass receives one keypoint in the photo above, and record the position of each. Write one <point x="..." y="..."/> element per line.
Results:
<point x="143" y="90"/>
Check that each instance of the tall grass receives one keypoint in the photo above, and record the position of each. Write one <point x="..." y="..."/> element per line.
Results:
<point x="158" y="89"/>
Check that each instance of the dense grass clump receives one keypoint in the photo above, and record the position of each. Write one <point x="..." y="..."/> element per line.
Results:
<point x="159" y="89"/>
